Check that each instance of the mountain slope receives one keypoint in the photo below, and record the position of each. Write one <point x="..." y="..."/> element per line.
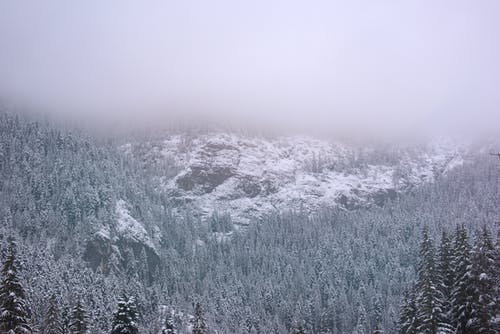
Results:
<point x="248" y="177"/>
<point x="92" y="221"/>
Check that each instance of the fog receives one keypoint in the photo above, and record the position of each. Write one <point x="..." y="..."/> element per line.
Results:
<point x="385" y="67"/>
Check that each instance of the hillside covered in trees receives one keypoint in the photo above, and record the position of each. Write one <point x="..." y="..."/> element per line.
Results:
<point x="90" y="244"/>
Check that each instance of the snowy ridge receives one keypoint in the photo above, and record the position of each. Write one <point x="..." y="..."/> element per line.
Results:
<point x="249" y="176"/>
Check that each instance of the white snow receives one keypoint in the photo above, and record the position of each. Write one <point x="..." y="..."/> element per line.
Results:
<point x="293" y="172"/>
<point x="128" y="227"/>
<point x="104" y="233"/>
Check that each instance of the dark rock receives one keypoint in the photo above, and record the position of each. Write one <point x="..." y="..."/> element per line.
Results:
<point x="383" y="195"/>
<point x="205" y="177"/>
<point x="348" y="203"/>
<point x="101" y="254"/>
<point x="97" y="253"/>
<point x="250" y="186"/>
<point x="207" y="173"/>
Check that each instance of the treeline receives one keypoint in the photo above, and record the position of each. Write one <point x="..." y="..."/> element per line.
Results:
<point x="457" y="287"/>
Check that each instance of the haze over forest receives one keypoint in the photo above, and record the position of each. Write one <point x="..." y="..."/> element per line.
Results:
<point x="249" y="167"/>
<point x="380" y="68"/>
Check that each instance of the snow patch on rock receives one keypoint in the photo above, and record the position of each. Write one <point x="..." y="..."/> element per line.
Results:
<point x="248" y="177"/>
<point x="128" y="227"/>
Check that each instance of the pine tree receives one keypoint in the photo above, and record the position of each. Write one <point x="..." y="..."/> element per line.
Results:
<point x="426" y="299"/>
<point x="496" y="274"/>
<point x="168" y="326"/>
<point x="324" y="330"/>
<point x="65" y="320"/>
<point x="125" y="318"/>
<point x="376" y="311"/>
<point x="446" y="276"/>
<point x="461" y="263"/>
<point x="79" y="319"/>
<point x="429" y="300"/>
<point x="361" y="324"/>
<point x="481" y="285"/>
<point x="325" y="323"/>
<point x="359" y="329"/>
<point x="408" y="322"/>
<point x="52" y="323"/>
<point x="299" y="330"/>
<point x="199" y="322"/>
<point x="14" y="312"/>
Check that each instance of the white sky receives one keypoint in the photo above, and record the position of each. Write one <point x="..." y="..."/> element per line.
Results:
<point x="386" y="65"/>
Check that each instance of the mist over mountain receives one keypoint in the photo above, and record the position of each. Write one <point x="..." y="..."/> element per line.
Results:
<point x="281" y="167"/>
<point x="263" y="232"/>
<point x="379" y="69"/>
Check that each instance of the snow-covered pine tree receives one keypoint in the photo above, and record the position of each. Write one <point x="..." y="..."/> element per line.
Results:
<point x="426" y="299"/>
<point x="408" y="318"/>
<point x="461" y="262"/>
<point x="481" y="285"/>
<point x="79" y="319"/>
<point x="125" y="318"/>
<point x="361" y="324"/>
<point x="429" y="299"/>
<point x="359" y="329"/>
<point x="324" y="327"/>
<point x="168" y="325"/>
<point x="52" y="323"/>
<point x="446" y="274"/>
<point x="14" y="316"/>
<point x="199" y="321"/>
<point x="65" y="318"/>
<point x="325" y="331"/>
<point x="376" y="311"/>
<point x="299" y="330"/>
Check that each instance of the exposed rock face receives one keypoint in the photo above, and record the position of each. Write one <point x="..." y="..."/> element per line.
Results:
<point x="106" y="255"/>
<point x="249" y="185"/>
<point x="98" y="253"/>
<point x="384" y="195"/>
<point x="126" y="243"/>
<point x="249" y="176"/>
<point x="212" y="165"/>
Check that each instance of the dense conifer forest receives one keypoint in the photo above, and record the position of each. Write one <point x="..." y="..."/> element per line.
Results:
<point x="424" y="262"/>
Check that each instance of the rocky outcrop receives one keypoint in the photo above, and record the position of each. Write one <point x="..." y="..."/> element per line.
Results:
<point x="98" y="253"/>
<point x="211" y="165"/>
<point x="105" y="255"/>
<point x="249" y="176"/>
<point x="122" y="246"/>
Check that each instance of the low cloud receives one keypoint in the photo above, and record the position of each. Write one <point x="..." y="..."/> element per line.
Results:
<point x="381" y="67"/>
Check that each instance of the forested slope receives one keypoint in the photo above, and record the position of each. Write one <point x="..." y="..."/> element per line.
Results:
<point x="65" y="196"/>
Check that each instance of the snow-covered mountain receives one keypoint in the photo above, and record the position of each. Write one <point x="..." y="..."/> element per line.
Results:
<point x="247" y="176"/>
<point x="91" y="220"/>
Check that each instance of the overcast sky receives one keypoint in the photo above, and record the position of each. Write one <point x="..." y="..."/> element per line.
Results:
<point x="327" y="64"/>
